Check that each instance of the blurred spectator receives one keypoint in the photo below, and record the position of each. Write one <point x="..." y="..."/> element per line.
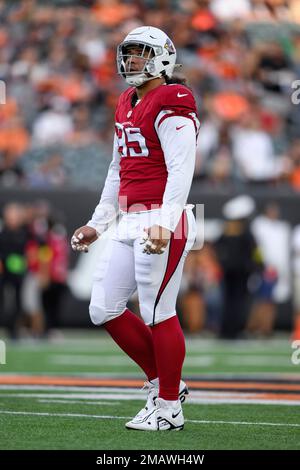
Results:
<point x="14" y="138"/>
<point x="295" y="11"/>
<point x="221" y="165"/>
<point x="270" y="10"/>
<point x="32" y="286"/>
<point x="54" y="272"/>
<point x="271" y="232"/>
<point x="48" y="174"/>
<point x="294" y="154"/>
<point x="237" y="254"/>
<point x="272" y="285"/>
<point x="253" y="151"/>
<point x="111" y="13"/>
<point x="225" y="10"/>
<point x="201" y="297"/>
<point x="13" y="265"/>
<point x="54" y="125"/>
<point x="273" y="68"/>
<point x="83" y="132"/>
<point x="11" y="173"/>
<point x="34" y="259"/>
<point x="191" y="296"/>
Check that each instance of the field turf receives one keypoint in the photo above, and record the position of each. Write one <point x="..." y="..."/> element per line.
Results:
<point x="77" y="393"/>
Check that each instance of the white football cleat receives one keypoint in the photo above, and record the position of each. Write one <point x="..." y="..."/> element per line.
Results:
<point x="163" y="417"/>
<point x="153" y="389"/>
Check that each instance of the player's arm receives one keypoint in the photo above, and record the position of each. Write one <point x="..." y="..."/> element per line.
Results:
<point x="177" y="135"/>
<point x="105" y="212"/>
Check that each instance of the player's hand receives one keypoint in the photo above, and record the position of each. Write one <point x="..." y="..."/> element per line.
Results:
<point x="156" y="239"/>
<point x="83" y="237"/>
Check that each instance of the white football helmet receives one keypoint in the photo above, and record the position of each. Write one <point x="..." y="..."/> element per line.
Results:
<point x="157" y="50"/>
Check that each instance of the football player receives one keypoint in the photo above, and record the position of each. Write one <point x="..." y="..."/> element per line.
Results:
<point x="148" y="182"/>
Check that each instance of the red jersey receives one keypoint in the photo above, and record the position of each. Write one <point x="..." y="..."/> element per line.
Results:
<point x="143" y="172"/>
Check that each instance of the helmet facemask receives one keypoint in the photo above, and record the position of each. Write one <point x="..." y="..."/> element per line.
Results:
<point x="148" y="53"/>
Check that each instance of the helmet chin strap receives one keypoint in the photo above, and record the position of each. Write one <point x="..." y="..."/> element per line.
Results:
<point x="139" y="80"/>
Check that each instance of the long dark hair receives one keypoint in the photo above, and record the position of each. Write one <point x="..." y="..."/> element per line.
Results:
<point x="180" y="80"/>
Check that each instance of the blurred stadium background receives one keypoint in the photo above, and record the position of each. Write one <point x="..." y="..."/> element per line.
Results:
<point x="242" y="60"/>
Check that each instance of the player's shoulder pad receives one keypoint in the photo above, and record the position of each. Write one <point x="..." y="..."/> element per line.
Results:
<point x="177" y="95"/>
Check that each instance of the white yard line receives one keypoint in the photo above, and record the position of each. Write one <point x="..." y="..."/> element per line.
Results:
<point x="195" y="421"/>
<point x="191" y="401"/>
<point x="64" y="388"/>
<point x="119" y="394"/>
<point x="115" y="392"/>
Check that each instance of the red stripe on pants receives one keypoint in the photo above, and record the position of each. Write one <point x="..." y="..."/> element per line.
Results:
<point x="177" y="244"/>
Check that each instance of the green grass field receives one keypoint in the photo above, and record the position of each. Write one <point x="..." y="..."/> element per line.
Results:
<point x="62" y="417"/>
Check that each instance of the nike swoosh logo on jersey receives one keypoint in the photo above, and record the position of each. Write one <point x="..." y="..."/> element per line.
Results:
<point x="180" y="127"/>
<point x="180" y="95"/>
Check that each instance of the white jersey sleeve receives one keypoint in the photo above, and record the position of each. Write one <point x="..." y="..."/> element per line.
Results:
<point x="107" y="209"/>
<point x="177" y="135"/>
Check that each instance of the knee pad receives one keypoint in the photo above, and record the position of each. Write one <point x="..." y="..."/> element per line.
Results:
<point x="100" y="315"/>
<point x="105" y="303"/>
<point x="97" y="314"/>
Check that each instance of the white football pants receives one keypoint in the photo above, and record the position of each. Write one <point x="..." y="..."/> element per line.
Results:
<point x="123" y="268"/>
